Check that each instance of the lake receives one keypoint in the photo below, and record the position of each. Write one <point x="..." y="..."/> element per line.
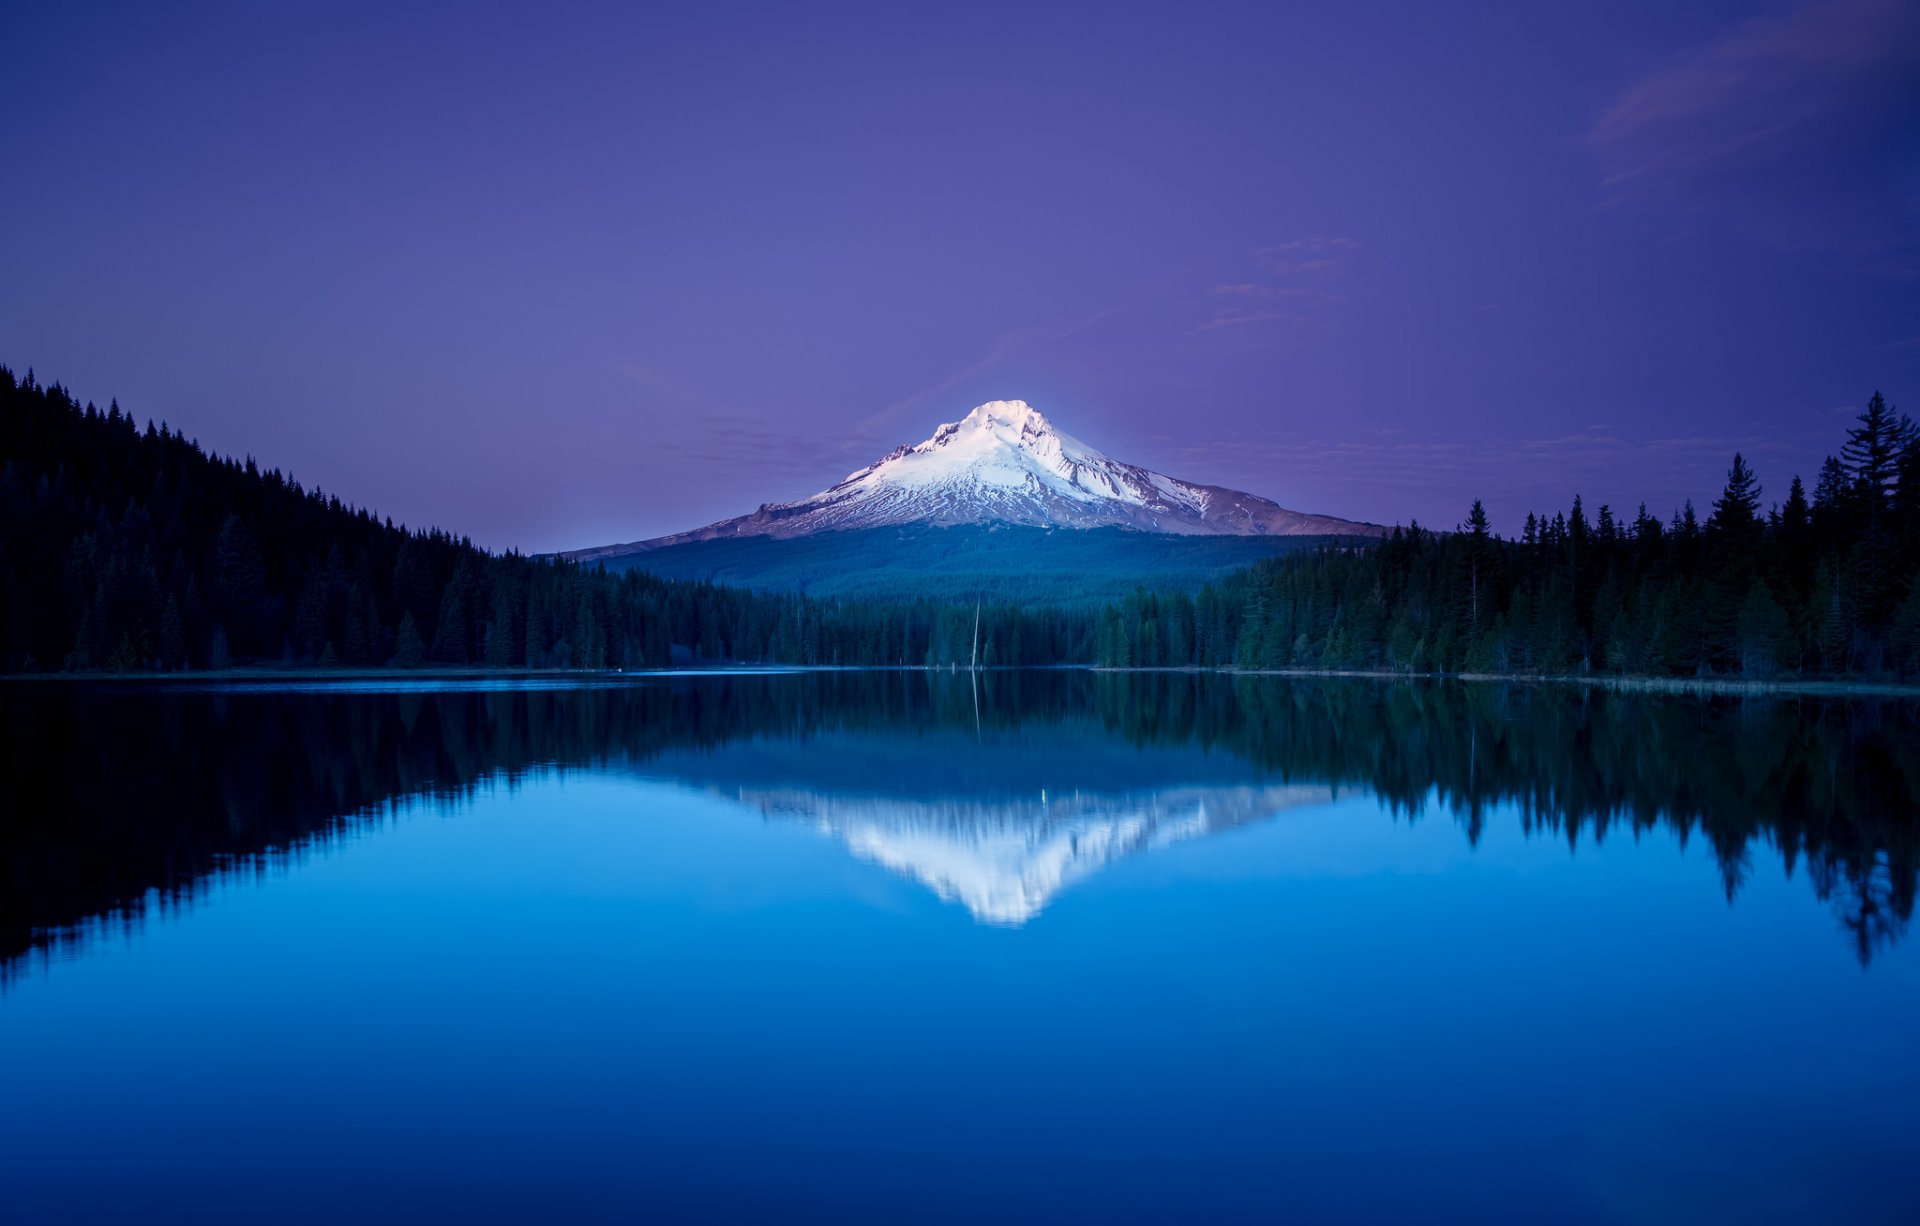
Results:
<point x="892" y="946"/>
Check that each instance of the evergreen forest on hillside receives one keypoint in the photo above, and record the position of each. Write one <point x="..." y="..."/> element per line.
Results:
<point x="1822" y="585"/>
<point x="126" y="548"/>
<point x="1073" y="568"/>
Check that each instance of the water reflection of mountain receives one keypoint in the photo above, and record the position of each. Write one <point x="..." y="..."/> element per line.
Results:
<point x="998" y="821"/>
<point x="1004" y="862"/>
<point x="121" y="798"/>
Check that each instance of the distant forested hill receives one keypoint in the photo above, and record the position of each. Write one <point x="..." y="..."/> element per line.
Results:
<point x="1822" y="585"/>
<point x="1069" y="567"/>
<point x="129" y="548"/>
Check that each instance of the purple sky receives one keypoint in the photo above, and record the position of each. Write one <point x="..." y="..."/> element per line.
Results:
<point x="573" y="274"/>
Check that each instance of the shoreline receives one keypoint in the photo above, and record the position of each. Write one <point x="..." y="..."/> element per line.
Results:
<point x="1625" y="683"/>
<point x="424" y="674"/>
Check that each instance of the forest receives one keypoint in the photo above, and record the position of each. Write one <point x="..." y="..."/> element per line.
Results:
<point x="1824" y="585"/>
<point x="127" y="549"/>
<point x="1080" y="568"/>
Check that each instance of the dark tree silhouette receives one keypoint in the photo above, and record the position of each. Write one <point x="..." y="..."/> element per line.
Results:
<point x="127" y="550"/>
<point x="1827" y="587"/>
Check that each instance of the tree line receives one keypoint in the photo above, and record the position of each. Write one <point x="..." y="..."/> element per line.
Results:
<point x="1827" y="584"/>
<point x="128" y="549"/>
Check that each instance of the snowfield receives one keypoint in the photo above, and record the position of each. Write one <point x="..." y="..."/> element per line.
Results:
<point x="1006" y="463"/>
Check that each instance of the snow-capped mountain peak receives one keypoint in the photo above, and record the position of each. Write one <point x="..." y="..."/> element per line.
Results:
<point x="1005" y="462"/>
<point x="994" y="430"/>
<point x="1015" y="415"/>
<point x="1003" y="455"/>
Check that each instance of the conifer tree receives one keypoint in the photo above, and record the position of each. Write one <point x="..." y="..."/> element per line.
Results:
<point x="408" y="650"/>
<point x="1736" y="513"/>
<point x="1872" y="451"/>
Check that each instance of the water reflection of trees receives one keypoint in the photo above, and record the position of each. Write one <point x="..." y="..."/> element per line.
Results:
<point x="1831" y="783"/>
<point x="126" y="799"/>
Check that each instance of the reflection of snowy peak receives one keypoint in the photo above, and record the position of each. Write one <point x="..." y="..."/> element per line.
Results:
<point x="1004" y="860"/>
<point x="1005" y="463"/>
<point x="999" y="820"/>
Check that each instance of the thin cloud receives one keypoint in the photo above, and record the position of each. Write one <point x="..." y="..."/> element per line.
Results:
<point x="1306" y="274"/>
<point x="1803" y="126"/>
<point x="1245" y="318"/>
<point x="1243" y="289"/>
<point x="1320" y="253"/>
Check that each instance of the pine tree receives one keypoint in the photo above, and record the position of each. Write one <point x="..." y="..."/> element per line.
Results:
<point x="1479" y="550"/>
<point x="1736" y="513"/>
<point x="173" y="637"/>
<point x="408" y="649"/>
<point x="500" y="635"/>
<point x="450" y="638"/>
<point x="1764" y="632"/>
<point x="1796" y="516"/>
<point x="1907" y="633"/>
<point x="1872" y="450"/>
<point x="1646" y="528"/>
<point x="310" y="620"/>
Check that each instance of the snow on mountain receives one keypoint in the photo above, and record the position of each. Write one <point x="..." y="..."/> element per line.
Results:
<point x="1006" y="463"/>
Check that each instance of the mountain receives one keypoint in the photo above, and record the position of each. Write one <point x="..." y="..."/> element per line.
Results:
<point x="132" y="550"/>
<point x="1006" y="464"/>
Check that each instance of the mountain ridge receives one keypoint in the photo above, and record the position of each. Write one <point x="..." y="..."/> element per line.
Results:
<point x="1005" y="463"/>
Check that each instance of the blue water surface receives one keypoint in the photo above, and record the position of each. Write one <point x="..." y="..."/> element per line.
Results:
<point x="754" y="976"/>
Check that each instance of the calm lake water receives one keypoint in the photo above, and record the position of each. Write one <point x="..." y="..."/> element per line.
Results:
<point x="898" y="947"/>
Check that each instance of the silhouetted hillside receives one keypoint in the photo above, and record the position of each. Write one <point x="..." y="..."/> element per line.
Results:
<point x="126" y="548"/>
<point x="1825" y="585"/>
